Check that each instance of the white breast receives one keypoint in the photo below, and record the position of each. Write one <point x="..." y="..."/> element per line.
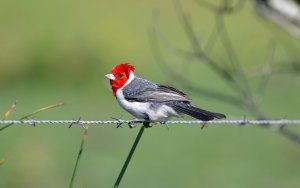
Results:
<point x="143" y="110"/>
<point x="138" y="109"/>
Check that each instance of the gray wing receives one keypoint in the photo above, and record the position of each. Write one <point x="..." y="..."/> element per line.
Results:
<point x="140" y="90"/>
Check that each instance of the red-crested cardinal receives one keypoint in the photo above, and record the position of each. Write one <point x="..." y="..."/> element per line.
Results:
<point x="149" y="101"/>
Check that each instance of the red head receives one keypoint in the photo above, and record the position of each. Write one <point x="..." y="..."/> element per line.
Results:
<point x="119" y="76"/>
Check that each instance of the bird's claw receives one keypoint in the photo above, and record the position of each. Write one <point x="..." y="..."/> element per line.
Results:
<point x="147" y="124"/>
<point x="131" y="124"/>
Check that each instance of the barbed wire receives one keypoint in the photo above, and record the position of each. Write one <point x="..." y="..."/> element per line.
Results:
<point x="243" y="122"/>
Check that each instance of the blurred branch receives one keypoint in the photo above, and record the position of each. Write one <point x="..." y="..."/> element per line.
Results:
<point x="233" y="76"/>
<point x="228" y="5"/>
<point x="282" y="67"/>
<point x="233" y="57"/>
<point x="225" y="73"/>
<point x="31" y="114"/>
<point x="221" y="71"/>
<point x="272" y="67"/>
<point x="173" y="75"/>
<point x="267" y="68"/>
<point x="83" y="140"/>
<point x="284" y="13"/>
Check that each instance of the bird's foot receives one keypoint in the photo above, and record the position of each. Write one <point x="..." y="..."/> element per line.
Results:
<point x="133" y="123"/>
<point x="147" y="124"/>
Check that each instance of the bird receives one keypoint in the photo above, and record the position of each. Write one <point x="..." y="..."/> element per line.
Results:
<point x="148" y="101"/>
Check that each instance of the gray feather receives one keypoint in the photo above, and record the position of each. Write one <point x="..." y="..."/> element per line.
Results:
<point x="187" y="108"/>
<point x="141" y="90"/>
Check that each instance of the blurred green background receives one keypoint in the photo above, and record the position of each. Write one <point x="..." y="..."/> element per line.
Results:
<point x="60" y="50"/>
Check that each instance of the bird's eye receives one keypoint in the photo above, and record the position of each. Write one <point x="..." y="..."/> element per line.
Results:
<point x="120" y="75"/>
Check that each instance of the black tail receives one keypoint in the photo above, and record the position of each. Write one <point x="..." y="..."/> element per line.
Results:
<point x="197" y="112"/>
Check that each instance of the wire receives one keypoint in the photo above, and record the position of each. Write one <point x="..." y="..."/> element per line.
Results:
<point x="119" y="122"/>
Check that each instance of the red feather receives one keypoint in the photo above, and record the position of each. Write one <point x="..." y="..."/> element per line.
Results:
<point x="125" y="67"/>
<point x="124" y="71"/>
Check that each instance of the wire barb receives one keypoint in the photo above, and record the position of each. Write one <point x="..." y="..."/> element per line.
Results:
<point x="75" y="122"/>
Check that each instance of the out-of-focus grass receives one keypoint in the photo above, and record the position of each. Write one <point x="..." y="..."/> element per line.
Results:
<point x="57" y="51"/>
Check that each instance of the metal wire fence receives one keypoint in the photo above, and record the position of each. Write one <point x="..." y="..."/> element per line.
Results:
<point x="234" y="122"/>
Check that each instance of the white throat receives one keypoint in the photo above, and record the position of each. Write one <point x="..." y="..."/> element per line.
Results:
<point x="131" y="77"/>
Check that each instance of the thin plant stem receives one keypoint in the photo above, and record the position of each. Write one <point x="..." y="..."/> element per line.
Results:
<point x="43" y="109"/>
<point x="10" y="110"/>
<point x="84" y="136"/>
<point x="3" y="159"/>
<point x="122" y="172"/>
<point x="31" y="114"/>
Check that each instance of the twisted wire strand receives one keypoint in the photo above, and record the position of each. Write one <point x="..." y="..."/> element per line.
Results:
<point x="98" y="122"/>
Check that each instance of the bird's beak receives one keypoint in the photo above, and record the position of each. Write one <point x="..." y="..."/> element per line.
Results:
<point x="110" y="76"/>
